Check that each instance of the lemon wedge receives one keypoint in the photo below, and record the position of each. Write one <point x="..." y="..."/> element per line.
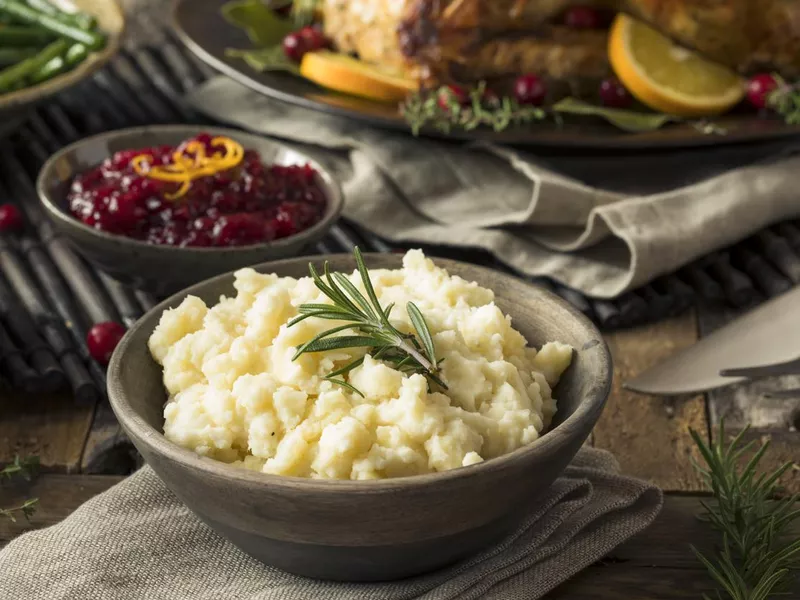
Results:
<point x="349" y="75"/>
<point x="667" y="77"/>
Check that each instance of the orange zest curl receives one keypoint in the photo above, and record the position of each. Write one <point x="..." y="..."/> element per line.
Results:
<point x="190" y="163"/>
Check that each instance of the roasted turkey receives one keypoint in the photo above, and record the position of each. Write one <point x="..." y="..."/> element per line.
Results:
<point x="437" y="41"/>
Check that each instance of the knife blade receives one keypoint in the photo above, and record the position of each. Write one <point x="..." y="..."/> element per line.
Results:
<point x="767" y="335"/>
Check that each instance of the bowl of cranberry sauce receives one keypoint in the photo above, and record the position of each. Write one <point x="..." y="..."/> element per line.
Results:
<point x="166" y="206"/>
<point x="205" y="192"/>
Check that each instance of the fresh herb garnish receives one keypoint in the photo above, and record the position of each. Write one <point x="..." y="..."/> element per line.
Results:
<point x="27" y="508"/>
<point x="21" y="467"/>
<point x="785" y="100"/>
<point x="756" y="559"/>
<point x="365" y="316"/>
<point x="441" y="110"/>
<point x="628" y="120"/>
<point x="25" y="468"/>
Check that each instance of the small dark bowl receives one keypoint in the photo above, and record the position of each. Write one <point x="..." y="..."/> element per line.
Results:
<point x="370" y="530"/>
<point x="166" y="269"/>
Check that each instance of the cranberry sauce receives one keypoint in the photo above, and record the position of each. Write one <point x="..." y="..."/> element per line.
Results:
<point x="250" y="203"/>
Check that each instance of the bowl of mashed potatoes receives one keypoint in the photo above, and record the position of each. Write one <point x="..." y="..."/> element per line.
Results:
<point x="379" y="472"/>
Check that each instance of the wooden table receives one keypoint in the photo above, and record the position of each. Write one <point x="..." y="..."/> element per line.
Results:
<point x="649" y="436"/>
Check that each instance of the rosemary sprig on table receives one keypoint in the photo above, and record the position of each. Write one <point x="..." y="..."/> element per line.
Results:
<point x="370" y="321"/>
<point x="25" y="468"/>
<point x="22" y="467"/>
<point x="755" y="560"/>
<point x="27" y="508"/>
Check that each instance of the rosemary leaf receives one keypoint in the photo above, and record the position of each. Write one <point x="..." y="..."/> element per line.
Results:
<point x="25" y="468"/>
<point x="339" y="343"/>
<point x="352" y="290"/>
<point x="421" y="326"/>
<point x="367" y="283"/>
<point x="346" y="369"/>
<point x="325" y="334"/>
<point x="756" y="559"/>
<point x="344" y="384"/>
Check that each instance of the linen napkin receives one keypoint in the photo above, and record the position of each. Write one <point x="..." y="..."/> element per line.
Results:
<point x="137" y="541"/>
<point x="599" y="224"/>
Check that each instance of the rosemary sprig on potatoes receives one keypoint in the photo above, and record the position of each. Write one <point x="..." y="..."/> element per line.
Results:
<point x="370" y="326"/>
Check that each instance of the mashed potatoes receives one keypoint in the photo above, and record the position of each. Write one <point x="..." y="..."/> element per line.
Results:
<point x="237" y="396"/>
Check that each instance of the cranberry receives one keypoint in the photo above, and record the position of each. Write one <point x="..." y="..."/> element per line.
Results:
<point x="613" y="94"/>
<point x="239" y="229"/>
<point x="450" y="94"/>
<point x="294" y="47"/>
<point x="102" y="339"/>
<point x="759" y="88"/>
<point x="314" y="38"/>
<point x="530" y="89"/>
<point x="10" y="218"/>
<point x="583" y="17"/>
<point x="283" y="224"/>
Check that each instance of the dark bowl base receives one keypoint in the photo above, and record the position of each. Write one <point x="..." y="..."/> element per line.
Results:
<point x="367" y="563"/>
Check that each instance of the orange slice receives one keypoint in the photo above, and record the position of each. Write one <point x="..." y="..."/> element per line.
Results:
<point x="352" y="76"/>
<point x="667" y="77"/>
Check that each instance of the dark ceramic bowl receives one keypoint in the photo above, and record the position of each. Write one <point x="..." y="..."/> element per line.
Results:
<point x="370" y="530"/>
<point x="166" y="269"/>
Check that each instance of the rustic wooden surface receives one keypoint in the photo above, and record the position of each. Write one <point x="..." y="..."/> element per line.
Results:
<point x="648" y="435"/>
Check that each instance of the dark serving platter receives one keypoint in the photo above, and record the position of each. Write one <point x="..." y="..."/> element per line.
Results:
<point x="204" y="31"/>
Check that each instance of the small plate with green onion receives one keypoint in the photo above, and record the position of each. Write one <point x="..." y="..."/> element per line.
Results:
<point x="47" y="46"/>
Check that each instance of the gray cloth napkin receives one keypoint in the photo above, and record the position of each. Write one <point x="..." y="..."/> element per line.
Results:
<point x="639" y="217"/>
<point x="137" y="541"/>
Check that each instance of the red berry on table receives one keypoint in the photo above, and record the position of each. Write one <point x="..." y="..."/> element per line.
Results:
<point x="102" y="339"/>
<point x="10" y="218"/>
<point x="450" y="94"/>
<point x="759" y="88"/>
<point x="314" y="38"/>
<point x="613" y="94"/>
<point x="583" y="17"/>
<point x="294" y="46"/>
<point x="530" y="89"/>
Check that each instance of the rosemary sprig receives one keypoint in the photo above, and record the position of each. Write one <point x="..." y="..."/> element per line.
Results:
<point x="755" y="560"/>
<point x="22" y="467"/>
<point x="25" y="468"/>
<point x="785" y="100"/>
<point x="369" y="322"/>
<point x="443" y="111"/>
<point x="27" y="508"/>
